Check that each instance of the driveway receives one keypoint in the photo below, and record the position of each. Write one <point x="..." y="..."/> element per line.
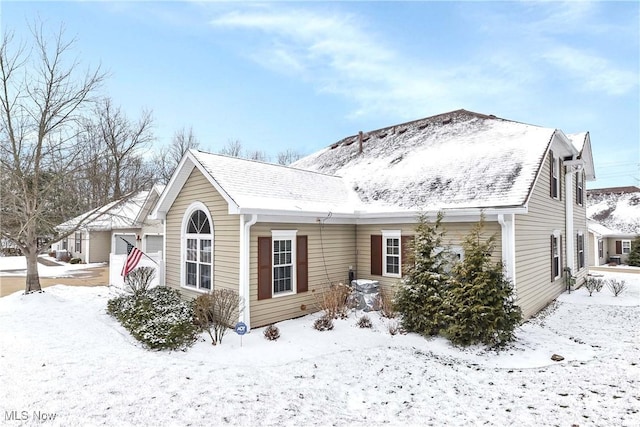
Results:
<point x="96" y="276"/>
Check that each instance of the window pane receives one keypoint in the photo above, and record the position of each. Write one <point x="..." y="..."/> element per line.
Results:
<point x="205" y="276"/>
<point x="192" y="274"/>
<point x="192" y="250"/>
<point x="205" y="251"/>
<point x="282" y="281"/>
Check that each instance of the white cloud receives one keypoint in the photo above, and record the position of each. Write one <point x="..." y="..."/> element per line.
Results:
<point x="593" y="72"/>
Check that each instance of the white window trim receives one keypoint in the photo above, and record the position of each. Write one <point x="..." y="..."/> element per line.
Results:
<point x="556" y="235"/>
<point x="285" y="235"/>
<point x="578" y="251"/>
<point x="580" y="190"/>
<point x="628" y="242"/>
<point x="556" y="174"/>
<point x="391" y="234"/>
<point x="195" y="206"/>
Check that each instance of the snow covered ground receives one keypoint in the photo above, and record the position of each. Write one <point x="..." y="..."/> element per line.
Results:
<point x="63" y="357"/>
<point x="17" y="266"/>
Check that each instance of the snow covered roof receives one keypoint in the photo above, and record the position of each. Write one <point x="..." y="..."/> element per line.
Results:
<point x="255" y="187"/>
<point x="459" y="159"/>
<point x="114" y="215"/>
<point x="616" y="208"/>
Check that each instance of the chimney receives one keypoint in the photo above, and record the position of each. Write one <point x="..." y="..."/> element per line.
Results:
<point x="360" y="142"/>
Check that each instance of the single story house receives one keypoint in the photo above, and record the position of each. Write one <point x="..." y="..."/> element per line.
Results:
<point x="106" y="230"/>
<point x="614" y="222"/>
<point x="278" y="234"/>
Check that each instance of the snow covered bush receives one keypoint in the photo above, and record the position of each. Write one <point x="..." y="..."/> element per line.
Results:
<point x="593" y="284"/>
<point x="420" y="296"/>
<point x="364" y="322"/>
<point x="214" y="312"/>
<point x="159" y="318"/>
<point x="138" y="282"/>
<point x="324" y="323"/>
<point x="480" y="304"/>
<point x="75" y="261"/>
<point x="272" y="333"/>
<point x="616" y="286"/>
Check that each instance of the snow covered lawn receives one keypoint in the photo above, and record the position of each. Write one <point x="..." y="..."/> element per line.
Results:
<point x="61" y="355"/>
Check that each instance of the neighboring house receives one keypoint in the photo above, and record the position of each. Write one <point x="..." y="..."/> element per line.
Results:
<point x="276" y="234"/>
<point x="115" y="224"/>
<point x="614" y="221"/>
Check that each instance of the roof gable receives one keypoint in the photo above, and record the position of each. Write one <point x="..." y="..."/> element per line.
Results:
<point x="250" y="186"/>
<point x="119" y="214"/>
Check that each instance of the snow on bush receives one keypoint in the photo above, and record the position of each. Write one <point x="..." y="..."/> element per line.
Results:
<point x="159" y="318"/>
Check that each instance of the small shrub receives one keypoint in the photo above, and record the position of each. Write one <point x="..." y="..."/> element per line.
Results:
<point x="592" y="284"/>
<point x="213" y="312"/>
<point x="333" y="300"/>
<point x="138" y="282"/>
<point x="52" y="254"/>
<point x="159" y="319"/>
<point x="75" y="261"/>
<point x="272" y="333"/>
<point x="599" y="285"/>
<point x="616" y="287"/>
<point x="364" y="322"/>
<point x="393" y="328"/>
<point x="385" y="304"/>
<point x="324" y="323"/>
<point x="65" y="257"/>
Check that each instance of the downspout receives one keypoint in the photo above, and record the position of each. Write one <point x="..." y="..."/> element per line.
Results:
<point x="507" y="225"/>
<point x="244" y="264"/>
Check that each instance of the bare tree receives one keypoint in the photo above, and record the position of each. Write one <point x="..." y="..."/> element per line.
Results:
<point x="287" y="157"/>
<point x="258" y="155"/>
<point x="233" y="148"/>
<point x="169" y="156"/>
<point x="43" y="99"/>
<point x="124" y="140"/>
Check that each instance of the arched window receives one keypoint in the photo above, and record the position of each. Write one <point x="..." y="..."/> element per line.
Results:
<point x="197" y="249"/>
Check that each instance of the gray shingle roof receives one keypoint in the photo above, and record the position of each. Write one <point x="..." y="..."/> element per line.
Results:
<point x="454" y="160"/>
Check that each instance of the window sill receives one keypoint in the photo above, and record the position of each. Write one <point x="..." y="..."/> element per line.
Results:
<point x="193" y="289"/>
<point x="283" y="294"/>
<point x="395" y="276"/>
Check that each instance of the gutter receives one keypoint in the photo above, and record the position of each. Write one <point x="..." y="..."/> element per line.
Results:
<point x="245" y="253"/>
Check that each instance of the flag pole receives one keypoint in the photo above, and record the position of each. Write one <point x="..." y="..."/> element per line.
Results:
<point x="129" y="243"/>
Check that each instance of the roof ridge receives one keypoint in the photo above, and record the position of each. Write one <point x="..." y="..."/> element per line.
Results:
<point x="267" y="163"/>
<point x="458" y="111"/>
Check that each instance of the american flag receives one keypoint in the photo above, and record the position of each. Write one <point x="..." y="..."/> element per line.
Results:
<point x="133" y="258"/>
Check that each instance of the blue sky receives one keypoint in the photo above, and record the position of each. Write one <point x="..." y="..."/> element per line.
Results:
<point x="302" y="75"/>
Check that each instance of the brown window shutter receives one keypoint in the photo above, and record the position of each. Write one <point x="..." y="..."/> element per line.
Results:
<point x="264" y="268"/>
<point x="376" y="255"/>
<point x="302" y="264"/>
<point x="618" y="247"/>
<point x="406" y="246"/>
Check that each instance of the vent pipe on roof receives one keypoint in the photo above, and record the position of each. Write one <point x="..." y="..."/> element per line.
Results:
<point x="360" y="142"/>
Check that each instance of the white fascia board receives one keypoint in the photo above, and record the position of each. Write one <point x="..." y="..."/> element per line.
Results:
<point x="449" y="215"/>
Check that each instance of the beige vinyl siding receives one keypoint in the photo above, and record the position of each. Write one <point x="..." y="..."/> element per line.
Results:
<point x="226" y="230"/>
<point x="455" y="235"/>
<point x="99" y="246"/>
<point x="330" y="254"/>
<point x="533" y="248"/>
